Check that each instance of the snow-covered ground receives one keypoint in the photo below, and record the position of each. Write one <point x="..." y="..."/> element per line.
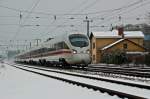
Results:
<point x="86" y="73"/>
<point x="19" y="84"/>
<point x="126" y="89"/>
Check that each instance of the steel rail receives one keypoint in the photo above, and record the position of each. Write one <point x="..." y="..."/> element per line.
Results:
<point x="109" y="91"/>
<point x="94" y="78"/>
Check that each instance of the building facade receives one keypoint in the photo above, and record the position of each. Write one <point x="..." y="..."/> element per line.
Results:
<point x="131" y="41"/>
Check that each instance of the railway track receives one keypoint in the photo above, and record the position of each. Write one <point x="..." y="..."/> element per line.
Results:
<point x="90" y="77"/>
<point x="94" y="87"/>
<point x="143" y="72"/>
<point x="123" y="72"/>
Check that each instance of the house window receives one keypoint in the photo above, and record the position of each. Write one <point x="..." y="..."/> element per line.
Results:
<point x="125" y="46"/>
<point x="93" y="57"/>
<point x="93" y="45"/>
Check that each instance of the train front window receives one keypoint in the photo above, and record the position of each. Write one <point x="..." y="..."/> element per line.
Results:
<point x="78" y="40"/>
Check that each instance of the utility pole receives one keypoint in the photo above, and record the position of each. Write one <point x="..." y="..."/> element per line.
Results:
<point x="149" y="18"/>
<point x="25" y="47"/>
<point x="88" y="24"/>
<point x="7" y="53"/>
<point x="30" y="45"/>
<point x="37" y="41"/>
<point x="17" y="45"/>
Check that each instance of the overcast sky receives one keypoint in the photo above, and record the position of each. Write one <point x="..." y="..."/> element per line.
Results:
<point x="38" y="17"/>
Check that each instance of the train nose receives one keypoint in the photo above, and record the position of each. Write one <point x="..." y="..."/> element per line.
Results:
<point x="85" y="59"/>
<point x="82" y="59"/>
<point x="79" y="58"/>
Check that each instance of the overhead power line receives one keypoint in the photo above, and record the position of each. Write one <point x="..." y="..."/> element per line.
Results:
<point x="78" y="6"/>
<point x="89" y="5"/>
<point x="70" y="11"/>
<point x="127" y="10"/>
<point x="25" y="19"/>
<point x="64" y="14"/>
<point x="42" y="13"/>
<point x="116" y="10"/>
<point x="25" y="11"/>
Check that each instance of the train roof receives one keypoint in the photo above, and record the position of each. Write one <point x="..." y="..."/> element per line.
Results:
<point x="62" y="36"/>
<point x="54" y="39"/>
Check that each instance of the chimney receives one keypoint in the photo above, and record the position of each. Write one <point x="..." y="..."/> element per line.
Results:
<point x="120" y="31"/>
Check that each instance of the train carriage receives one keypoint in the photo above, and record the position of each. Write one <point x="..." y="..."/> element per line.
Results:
<point x="70" y="49"/>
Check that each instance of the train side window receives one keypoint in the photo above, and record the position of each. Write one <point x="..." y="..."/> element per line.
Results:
<point x="93" y="57"/>
<point x="51" y="49"/>
<point x="65" y="46"/>
<point x="43" y="50"/>
<point x="125" y="46"/>
<point x="61" y="45"/>
<point x="93" y="45"/>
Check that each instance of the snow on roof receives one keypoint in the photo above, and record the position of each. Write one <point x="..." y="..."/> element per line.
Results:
<point x="143" y="53"/>
<point x="138" y="34"/>
<point x="114" y="34"/>
<point x="110" y="45"/>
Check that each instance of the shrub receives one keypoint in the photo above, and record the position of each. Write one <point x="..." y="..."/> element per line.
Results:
<point x="147" y="59"/>
<point x="114" y="57"/>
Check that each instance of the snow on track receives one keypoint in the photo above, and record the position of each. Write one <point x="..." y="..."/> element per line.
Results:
<point x="91" y="75"/>
<point x="121" y="88"/>
<point x="18" y="84"/>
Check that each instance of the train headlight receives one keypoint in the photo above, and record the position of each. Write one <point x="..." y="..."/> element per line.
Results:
<point x="88" y="51"/>
<point x="74" y="51"/>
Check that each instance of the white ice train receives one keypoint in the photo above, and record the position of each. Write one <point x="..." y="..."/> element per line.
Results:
<point x="65" y="50"/>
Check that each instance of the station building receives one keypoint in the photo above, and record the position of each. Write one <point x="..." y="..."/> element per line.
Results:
<point x="103" y="42"/>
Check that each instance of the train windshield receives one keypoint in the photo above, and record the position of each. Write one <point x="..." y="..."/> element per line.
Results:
<point x="78" y="40"/>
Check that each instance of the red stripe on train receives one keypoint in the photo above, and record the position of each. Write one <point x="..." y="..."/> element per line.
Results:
<point x="58" y="52"/>
<point x="52" y="53"/>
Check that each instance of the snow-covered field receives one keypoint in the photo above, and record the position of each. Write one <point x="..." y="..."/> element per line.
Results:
<point x="18" y="84"/>
<point x="117" y="87"/>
